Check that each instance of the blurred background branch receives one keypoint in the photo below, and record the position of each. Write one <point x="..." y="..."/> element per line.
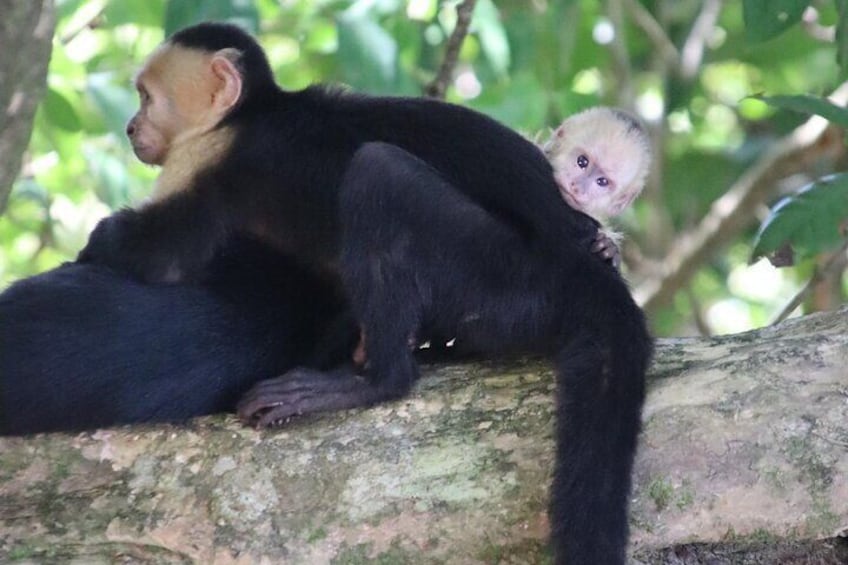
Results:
<point x="733" y="212"/>
<point x="439" y="86"/>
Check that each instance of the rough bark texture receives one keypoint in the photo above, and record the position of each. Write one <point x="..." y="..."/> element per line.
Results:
<point x="746" y="437"/>
<point x="26" y="32"/>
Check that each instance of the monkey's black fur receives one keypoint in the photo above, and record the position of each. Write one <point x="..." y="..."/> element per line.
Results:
<point x="441" y="222"/>
<point x="85" y="347"/>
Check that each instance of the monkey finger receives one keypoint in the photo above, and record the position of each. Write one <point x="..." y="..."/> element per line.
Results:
<point x="612" y="255"/>
<point x="608" y="252"/>
<point x="606" y="248"/>
<point x="271" y="418"/>
<point x="303" y="391"/>
<point x="266" y="396"/>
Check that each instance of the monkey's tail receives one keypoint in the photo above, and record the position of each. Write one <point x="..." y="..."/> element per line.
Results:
<point x="600" y="392"/>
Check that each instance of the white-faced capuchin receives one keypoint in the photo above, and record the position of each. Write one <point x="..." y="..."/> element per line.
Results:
<point x="601" y="158"/>
<point x="433" y="218"/>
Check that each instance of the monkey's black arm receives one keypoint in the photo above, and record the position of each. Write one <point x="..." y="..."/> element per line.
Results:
<point x="560" y="232"/>
<point x="166" y="241"/>
<point x="561" y="229"/>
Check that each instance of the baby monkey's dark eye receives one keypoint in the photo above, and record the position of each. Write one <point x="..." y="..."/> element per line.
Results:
<point x="582" y="161"/>
<point x="602" y="181"/>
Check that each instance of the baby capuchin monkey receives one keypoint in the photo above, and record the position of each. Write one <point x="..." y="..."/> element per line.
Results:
<point x="601" y="158"/>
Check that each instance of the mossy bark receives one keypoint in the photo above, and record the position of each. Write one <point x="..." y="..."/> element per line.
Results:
<point x="745" y="436"/>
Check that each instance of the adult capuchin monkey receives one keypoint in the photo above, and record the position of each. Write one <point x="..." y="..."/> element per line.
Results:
<point x="437" y="221"/>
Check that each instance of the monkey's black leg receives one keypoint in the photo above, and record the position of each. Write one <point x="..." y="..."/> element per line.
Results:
<point x="384" y="196"/>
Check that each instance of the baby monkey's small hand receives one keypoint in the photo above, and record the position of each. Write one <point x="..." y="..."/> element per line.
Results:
<point x="605" y="246"/>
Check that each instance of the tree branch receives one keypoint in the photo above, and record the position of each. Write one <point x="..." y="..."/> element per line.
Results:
<point x="692" y="53"/>
<point x="620" y="56"/>
<point x="832" y="268"/>
<point x="733" y="212"/>
<point x="654" y="31"/>
<point x="741" y="434"/>
<point x="439" y="85"/>
<point x="819" y="32"/>
<point x="26" y="33"/>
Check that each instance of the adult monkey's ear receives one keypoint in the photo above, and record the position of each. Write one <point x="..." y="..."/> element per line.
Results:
<point x="224" y="67"/>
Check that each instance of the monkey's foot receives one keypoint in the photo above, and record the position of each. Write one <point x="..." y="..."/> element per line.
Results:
<point x="302" y="391"/>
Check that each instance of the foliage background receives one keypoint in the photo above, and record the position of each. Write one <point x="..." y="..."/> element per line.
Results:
<point x="688" y="67"/>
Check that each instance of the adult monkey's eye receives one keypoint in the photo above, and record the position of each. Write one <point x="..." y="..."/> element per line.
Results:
<point x="582" y="161"/>
<point x="602" y="181"/>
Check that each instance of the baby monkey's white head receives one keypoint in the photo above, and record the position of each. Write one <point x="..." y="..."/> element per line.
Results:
<point x="601" y="158"/>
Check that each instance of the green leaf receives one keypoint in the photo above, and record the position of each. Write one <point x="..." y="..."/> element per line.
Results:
<point x="59" y="111"/>
<point x="765" y="19"/>
<point x="368" y="55"/>
<point x="114" y="103"/>
<point x="493" y="39"/>
<point x="808" y="104"/>
<point x="110" y="175"/>
<point x="182" y="13"/>
<point x="138" y="12"/>
<point x="520" y="102"/>
<point x="810" y="220"/>
<point x="30" y="189"/>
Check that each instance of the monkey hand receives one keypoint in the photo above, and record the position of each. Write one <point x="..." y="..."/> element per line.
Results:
<point x="304" y="391"/>
<point x="606" y="248"/>
<point x="116" y="242"/>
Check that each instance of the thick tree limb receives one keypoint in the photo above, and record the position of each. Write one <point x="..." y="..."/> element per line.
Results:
<point x="744" y="435"/>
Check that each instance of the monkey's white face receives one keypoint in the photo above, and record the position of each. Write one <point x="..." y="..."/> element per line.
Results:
<point x="587" y="184"/>
<point x="600" y="161"/>
<point x="148" y="129"/>
<point x="182" y="96"/>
